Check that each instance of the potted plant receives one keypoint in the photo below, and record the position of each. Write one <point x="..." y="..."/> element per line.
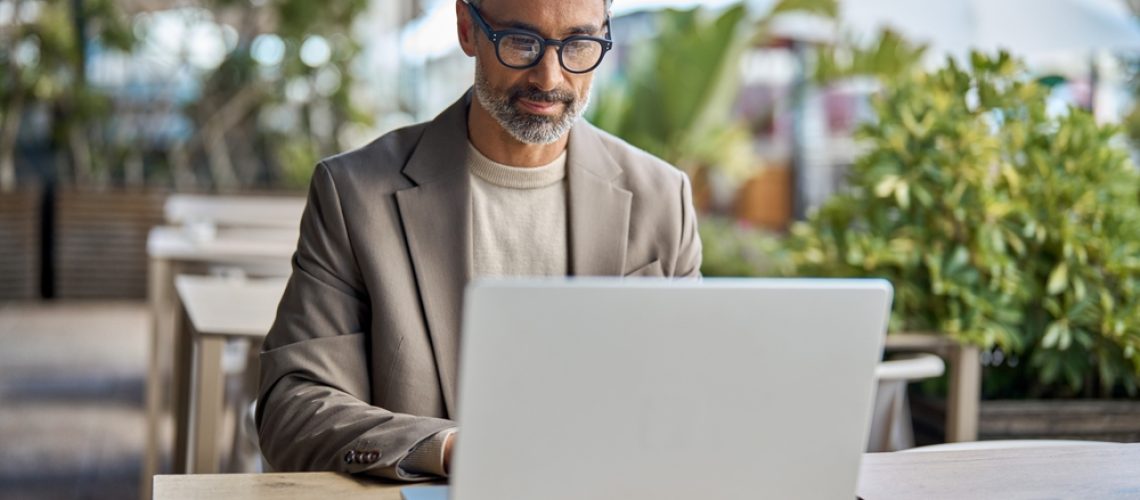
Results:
<point x="1000" y="226"/>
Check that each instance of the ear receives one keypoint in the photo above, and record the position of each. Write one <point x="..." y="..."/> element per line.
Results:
<point x="466" y="28"/>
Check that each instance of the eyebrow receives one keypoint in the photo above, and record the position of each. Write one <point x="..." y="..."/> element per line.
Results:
<point x="584" y="29"/>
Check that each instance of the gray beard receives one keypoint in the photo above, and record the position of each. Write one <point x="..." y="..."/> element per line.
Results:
<point x="525" y="127"/>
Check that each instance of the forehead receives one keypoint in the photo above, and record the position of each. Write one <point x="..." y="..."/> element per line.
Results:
<point x="549" y="16"/>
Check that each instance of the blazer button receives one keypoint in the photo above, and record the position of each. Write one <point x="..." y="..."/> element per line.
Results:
<point x="373" y="456"/>
<point x="350" y="457"/>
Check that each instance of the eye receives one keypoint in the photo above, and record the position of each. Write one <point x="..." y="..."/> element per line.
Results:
<point x="581" y="54"/>
<point x="520" y="43"/>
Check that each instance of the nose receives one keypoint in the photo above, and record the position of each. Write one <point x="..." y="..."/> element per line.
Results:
<point x="547" y="75"/>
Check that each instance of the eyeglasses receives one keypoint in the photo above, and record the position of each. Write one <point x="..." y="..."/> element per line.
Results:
<point x="522" y="49"/>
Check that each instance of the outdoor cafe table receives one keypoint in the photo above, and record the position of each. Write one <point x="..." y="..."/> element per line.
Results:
<point x="1101" y="471"/>
<point x="220" y="309"/>
<point x="170" y="250"/>
<point x="283" y="212"/>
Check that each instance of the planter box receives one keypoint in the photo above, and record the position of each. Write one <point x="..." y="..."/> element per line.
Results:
<point x="100" y="242"/>
<point x="20" y="244"/>
<point x="1080" y="419"/>
<point x="766" y="199"/>
<point x="1098" y="420"/>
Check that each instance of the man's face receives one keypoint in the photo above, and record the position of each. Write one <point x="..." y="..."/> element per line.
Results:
<point x="536" y="105"/>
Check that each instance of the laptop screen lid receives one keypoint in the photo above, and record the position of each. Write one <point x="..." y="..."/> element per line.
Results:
<point x="600" y="388"/>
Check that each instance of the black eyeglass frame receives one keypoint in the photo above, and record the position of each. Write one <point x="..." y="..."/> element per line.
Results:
<point x="496" y="36"/>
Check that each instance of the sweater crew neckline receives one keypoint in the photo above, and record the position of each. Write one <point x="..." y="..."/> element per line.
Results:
<point x="516" y="177"/>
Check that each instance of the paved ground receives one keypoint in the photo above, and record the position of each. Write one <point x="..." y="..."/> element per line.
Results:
<point x="71" y="399"/>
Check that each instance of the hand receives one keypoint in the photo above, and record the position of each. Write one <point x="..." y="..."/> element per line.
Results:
<point x="447" y="445"/>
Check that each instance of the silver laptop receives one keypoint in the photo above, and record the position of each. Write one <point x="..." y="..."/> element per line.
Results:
<point x="654" y="389"/>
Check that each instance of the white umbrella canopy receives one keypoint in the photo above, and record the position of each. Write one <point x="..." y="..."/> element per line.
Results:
<point x="1029" y="28"/>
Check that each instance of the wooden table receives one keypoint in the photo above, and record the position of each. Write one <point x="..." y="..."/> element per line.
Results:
<point x="171" y="250"/>
<point x="1095" y="471"/>
<point x="288" y="486"/>
<point x="1102" y="472"/>
<point x="225" y="245"/>
<point x="220" y="309"/>
<point x="242" y="211"/>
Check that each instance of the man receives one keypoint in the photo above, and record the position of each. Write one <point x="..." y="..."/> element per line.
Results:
<point x="359" y="370"/>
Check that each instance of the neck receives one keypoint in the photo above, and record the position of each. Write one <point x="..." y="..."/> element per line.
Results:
<point x="489" y="137"/>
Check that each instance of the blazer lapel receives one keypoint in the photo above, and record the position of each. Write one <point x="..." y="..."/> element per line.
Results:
<point x="436" y="218"/>
<point x="599" y="209"/>
<point x="437" y="221"/>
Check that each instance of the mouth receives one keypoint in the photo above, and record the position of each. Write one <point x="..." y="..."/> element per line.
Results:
<point x="539" y="107"/>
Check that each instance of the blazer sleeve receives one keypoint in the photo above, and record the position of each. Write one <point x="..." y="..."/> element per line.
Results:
<point x="688" y="263"/>
<point x="313" y="411"/>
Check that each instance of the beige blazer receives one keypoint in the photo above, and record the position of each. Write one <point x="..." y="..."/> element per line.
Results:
<point x="360" y="365"/>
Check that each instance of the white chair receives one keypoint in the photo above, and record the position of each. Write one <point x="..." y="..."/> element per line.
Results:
<point x="891" y="427"/>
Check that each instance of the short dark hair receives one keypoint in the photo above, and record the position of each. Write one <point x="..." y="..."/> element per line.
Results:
<point x="609" y="3"/>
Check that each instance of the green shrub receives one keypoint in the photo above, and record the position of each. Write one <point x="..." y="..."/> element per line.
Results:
<point x="732" y="248"/>
<point x="998" y="224"/>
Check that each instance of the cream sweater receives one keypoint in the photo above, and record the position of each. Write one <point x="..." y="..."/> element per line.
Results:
<point x="518" y="218"/>
<point x="518" y="228"/>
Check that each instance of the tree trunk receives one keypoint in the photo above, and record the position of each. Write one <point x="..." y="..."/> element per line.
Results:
<point x="180" y="169"/>
<point x="212" y="136"/>
<point x="10" y="125"/>
<point x="218" y="152"/>
<point x="80" y="155"/>
<point x="9" y="131"/>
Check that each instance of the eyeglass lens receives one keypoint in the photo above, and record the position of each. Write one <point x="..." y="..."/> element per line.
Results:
<point x="522" y="50"/>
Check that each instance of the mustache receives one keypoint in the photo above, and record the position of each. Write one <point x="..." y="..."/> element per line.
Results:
<point x="536" y="95"/>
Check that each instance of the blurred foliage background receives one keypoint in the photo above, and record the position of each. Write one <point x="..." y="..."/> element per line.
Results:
<point x="208" y="95"/>
<point x="44" y="74"/>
